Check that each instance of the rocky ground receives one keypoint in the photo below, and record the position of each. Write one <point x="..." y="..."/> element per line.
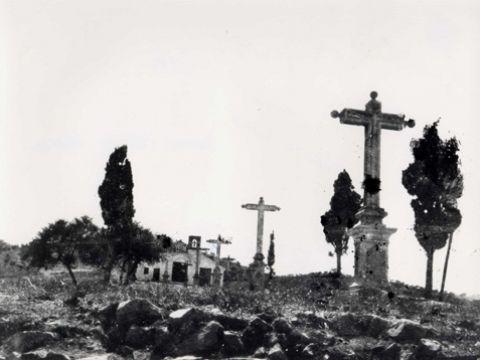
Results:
<point x="323" y="318"/>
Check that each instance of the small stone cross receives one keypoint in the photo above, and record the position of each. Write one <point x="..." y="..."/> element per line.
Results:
<point x="261" y="207"/>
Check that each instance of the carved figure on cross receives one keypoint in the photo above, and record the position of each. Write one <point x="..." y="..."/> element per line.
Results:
<point x="374" y="121"/>
<point x="261" y="207"/>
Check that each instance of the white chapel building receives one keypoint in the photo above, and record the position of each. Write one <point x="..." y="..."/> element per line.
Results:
<point x="180" y="263"/>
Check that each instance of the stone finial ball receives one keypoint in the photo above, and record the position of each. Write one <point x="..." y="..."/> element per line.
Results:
<point x="373" y="95"/>
<point x="411" y="123"/>
<point x="334" y="114"/>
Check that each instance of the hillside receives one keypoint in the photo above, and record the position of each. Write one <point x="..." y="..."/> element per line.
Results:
<point x="314" y="316"/>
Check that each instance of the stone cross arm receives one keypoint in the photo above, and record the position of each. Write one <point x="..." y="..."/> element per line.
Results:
<point x="219" y="240"/>
<point x="261" y="207"/>
<point x="363" y="118"/>
<point x="374" y="121"/>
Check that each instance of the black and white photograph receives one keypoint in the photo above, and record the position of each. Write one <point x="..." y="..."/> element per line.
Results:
<point x="239" y="179"/>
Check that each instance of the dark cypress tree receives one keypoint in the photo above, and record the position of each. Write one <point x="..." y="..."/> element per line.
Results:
<point x="344" y="204"/>
<point x="116" y="201"/>
<point x="271" y="256"/>
<point x="435" y="180"/>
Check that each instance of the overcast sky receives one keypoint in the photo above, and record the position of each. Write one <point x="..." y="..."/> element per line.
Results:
<point x="221" y="102"/>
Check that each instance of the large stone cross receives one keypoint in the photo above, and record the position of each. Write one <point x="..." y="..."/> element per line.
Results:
<point x="373" y="120"/>
<point x="371" y="236"/>
<point x="261" y="207"/>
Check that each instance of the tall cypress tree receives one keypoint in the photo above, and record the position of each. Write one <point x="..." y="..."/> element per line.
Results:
<point x="271" y="255"/>
<point x="435" y="180"/>
<point x="344" y="204"/>
<point x="116" y="201"/>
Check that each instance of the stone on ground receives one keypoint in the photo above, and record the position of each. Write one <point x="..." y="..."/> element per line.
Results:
<point x="352" y="325"/>
<point x="16" y="323"/>
<point x="109" y="356"/>
<point x="139" y="338"/>
<point x="310" y="351"/>
<point x="227" y="321"/>
<point x="296" y="337"/>
<point x="387" y="352"/>
<point x="311" y="319"/>
<point x="43" y="355"/>
<point x="337" y="353"/>
<point x="261" y="352"/>
<point x="428" y="349"/>
<point x="268" y="316"/>
<point x="322" y="337"/>
<point x="206" y="341"/>
<point x="282" y="326"/>
<point x="232" y="343"/>
<point x="161" y="335"/>
<point x="25" y="341"/>
<point x="409" y="331"/>
<point x="138" y="312"/>
<point x="184" y="322"/>
<point x="210" y="338"/>
<point x="66" y="330"/>
<point x="276" y="353"/>
<point x="254" y="334"/>
<point x="108" y="315"/>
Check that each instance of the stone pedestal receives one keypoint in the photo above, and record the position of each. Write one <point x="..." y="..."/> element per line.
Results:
<point x="217" y="277"/>
<point x="256" y="273"/>
<point x="371" y="236"/>
<point x="371" y="239"/>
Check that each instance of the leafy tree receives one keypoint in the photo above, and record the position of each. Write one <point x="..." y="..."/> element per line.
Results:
<point x="165" y="240"/>
<point x="116" y="201"/>
<point x="234" y="271"/>
<point x="60" y="243"/>
<point x="143" y="246"/>
<point x="94" y="251"/>
<point x="10" y="261"/>
<point x="271" y="255"/>
<point x="344" y="204"/>
<point x="4" y="246"/>
<point x="435" y="180"/>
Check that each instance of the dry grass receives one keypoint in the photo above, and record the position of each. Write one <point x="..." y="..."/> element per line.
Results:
<point x="33" y="301"/>
<point x="286" y="295"/>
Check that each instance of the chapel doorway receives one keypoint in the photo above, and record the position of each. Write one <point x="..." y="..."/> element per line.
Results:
<point x="179" y="272"/>
<point x="204" y="276"/>
<point x="156" y="275"/>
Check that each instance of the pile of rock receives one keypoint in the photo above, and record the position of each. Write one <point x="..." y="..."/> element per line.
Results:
<point x="137" y="326"/>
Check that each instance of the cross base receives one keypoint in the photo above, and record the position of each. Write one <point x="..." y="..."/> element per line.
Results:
<point x="258" y="257"/>
<point x="217" y="277"/>
<point x="371" y="215"/>
<point x="371" y="252"/>
<point x="256" y="273"/>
